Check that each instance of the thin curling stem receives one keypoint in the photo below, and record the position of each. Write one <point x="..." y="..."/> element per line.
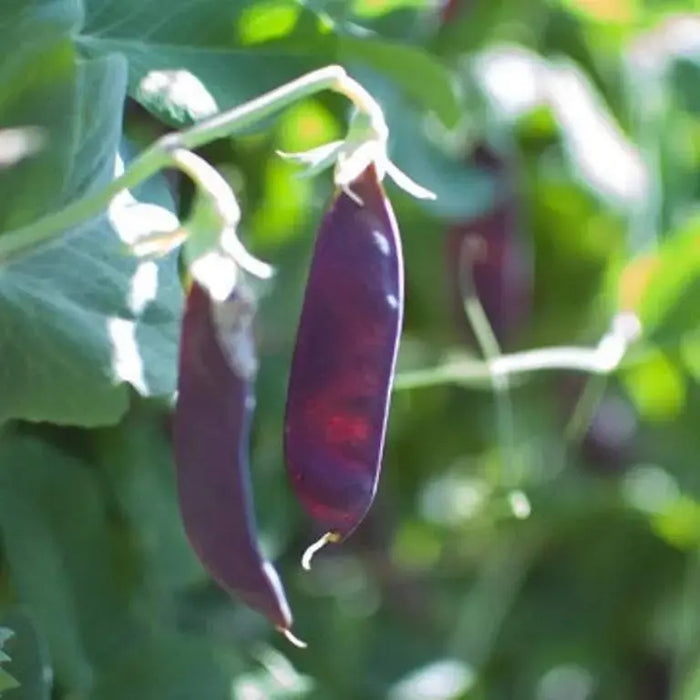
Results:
<point x="159" y="155"/>
<point x="486" y="338"/>
<point x="210" y="181"/>
<point x="363" y="101"/>
<point x="299" y="643"/>
<point x="600" y="360"/>
<point x="227" y="123"/>
<point x="15" y="243"/>
<point x="312" y="549"/>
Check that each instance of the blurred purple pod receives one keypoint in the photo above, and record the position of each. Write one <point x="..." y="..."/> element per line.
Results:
<point x="344" y="359"/>
<point x="212" y="425"/>
<point x="489" y="255"/>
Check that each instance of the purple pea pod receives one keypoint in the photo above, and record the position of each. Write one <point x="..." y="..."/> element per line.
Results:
<point x="212" y="425"/>
<point x="343" y="363"/>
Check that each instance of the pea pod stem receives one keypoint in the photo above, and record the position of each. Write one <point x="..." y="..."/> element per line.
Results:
<point x="161" y="154"/>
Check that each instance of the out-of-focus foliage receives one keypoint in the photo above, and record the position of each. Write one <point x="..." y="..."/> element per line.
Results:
<point x="545" y="545"/>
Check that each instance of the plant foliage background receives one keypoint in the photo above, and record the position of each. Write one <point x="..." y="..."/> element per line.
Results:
<point x="548" y="549"/>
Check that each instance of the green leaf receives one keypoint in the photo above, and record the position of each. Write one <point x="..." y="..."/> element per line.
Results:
<point x="419" y="75"/>
<point x="38" y="75"/>
<point x="7" y="682"/>
<point x="83" y="317"/>
<point x="197" y="60"/>
<point x="34" y="557"/>
<point x="137" y="462"/>
<point x="656" y="386"/>
<point x="200" y="39"/>
<point x="376" y="8"/>
<point x="690" y="353"/>
<point x="60" y="559"/>
<point x="663" y="287"/>
<point x="173" y="667"/>
<point x="31" y="665"/>
<point x="39" y="19"/>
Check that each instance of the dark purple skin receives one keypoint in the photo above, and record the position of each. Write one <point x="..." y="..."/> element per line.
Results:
<point x="212" y="425"/>
<point x="343" y="364"/>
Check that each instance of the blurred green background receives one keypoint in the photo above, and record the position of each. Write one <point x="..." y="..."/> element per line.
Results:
<point x="542" y="542"/>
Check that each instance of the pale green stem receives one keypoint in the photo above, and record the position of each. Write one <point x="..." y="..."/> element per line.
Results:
<point x="603" y="359"/>
<point x="158" y="156"/>
<point x="585" y="408"/>
<point x="491" y="351"/>
<point x="15" y="243"/>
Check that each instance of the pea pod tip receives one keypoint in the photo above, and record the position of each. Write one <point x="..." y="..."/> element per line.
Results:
<point x="318" y="544"/>
<point x="289" y="635"/>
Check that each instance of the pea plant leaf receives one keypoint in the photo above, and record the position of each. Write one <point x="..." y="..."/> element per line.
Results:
<point x="30" y="664"/>
<point x="401" y="64"/>
<point x="82" y="317"/>
<point x="199" y="56"/>
<point x="188" y="61"/>
<point x="135" y="460"/>
<point x="148" y="670"/>
<point x="663" y="287"/>
<point x="41" y="71"/>
<point x="7" y="682"/>
<point x="56" y="541"/>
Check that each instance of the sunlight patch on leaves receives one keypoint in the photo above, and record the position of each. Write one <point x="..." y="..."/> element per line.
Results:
<point x="57" y="301"/>
<point x="178" y="92"/>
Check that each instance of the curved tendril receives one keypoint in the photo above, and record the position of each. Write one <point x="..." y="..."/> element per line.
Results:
<point x="299" y="643"/>
<point x="233" y="246"/>
<point x="319" y="544"/>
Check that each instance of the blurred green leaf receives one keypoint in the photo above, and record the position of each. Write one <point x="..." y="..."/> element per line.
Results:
<point x="690" y="353"/>
<point x="306" y="125"/>
<point x="54" y="529"/>
<point x="30" y="660"/>
<point x="622" y="11"/>
<point x="679" y="523"/>
<point x="7" y="682"/>
<point x="415" y="72"/>
<point x="173" y="667"/>
<point x="663" y="287"/>
<point x="136" y="459"/>
<point x="82" y="315"/>
<point x="656" y="386"/>
<point x="41" y="73"/>
<point x="267" y="20"/>
<point x="176" y="69"/>
<point x="374" y="8"/>
<point x="197" y="48"/>
<point x="282" y="211"/>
